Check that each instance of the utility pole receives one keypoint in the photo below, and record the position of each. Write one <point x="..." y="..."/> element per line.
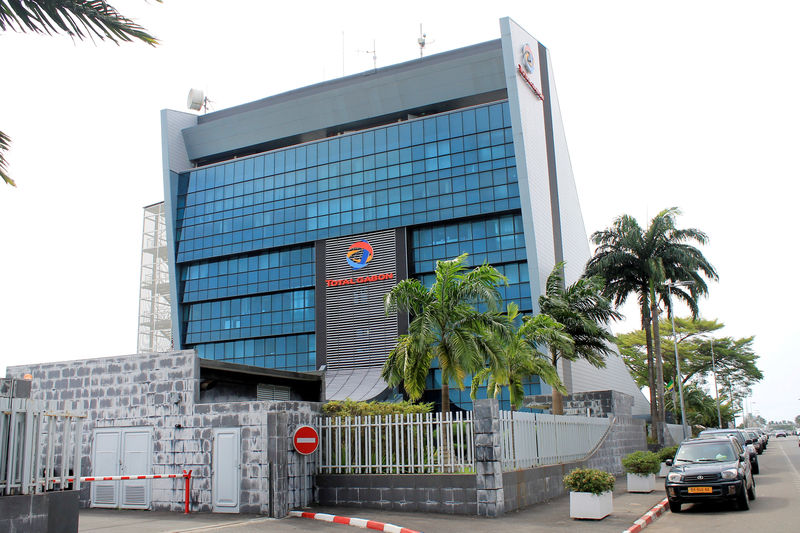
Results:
<point x="716" y="391"/>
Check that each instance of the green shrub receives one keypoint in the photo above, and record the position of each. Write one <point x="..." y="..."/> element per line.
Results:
<point x="351" y="408"/>
<point x="589" y="480"/>
<point x="642" y="463"/>
<point x="667" y="452"/>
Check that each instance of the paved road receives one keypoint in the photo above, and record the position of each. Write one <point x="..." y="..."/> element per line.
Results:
<point x="776" y="508"/>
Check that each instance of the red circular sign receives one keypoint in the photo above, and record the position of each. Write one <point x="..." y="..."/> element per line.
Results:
<point x="306" y="440"/>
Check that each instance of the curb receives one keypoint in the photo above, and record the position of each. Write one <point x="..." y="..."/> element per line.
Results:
<point x="649" y="517"/>
<point x="358" y="522"/>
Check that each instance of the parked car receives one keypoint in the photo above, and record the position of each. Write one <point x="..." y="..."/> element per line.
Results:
<point x="755" y="439"/>
<point x="739" y="435"/>
<point x="710" y="469"/>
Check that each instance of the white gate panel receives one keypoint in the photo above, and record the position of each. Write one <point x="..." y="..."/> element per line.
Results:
<point x="136" y="459"/>
<point x="105" y="463"/>
<point x="225" y="478"/>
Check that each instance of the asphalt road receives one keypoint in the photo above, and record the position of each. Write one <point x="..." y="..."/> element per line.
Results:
<point x="776" y="507"/>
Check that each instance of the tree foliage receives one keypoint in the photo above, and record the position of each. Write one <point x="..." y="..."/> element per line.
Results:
<point x="80" y="19"/>
<point x="648" y="262"/>
<point x="522" y="356"/>
<point x="736" y="362"/>
<point x="445" y="325"/>
<point x="585" y="313"/>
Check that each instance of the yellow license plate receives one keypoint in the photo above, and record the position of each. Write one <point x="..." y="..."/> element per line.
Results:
<point x="700" y="490"/>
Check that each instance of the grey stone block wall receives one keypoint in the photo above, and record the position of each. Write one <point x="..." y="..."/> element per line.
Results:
<point x="435" y="493"/>
<point x="160" y="391"/>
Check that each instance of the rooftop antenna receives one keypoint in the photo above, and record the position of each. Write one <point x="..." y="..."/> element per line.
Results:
<point x="421" y="40"/>
<point x="197" y="100"/>
<point x="374" y="55"/>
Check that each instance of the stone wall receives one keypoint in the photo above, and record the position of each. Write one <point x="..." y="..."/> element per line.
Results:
<point x="442" y="493"/>
<point x="160" y="391"/>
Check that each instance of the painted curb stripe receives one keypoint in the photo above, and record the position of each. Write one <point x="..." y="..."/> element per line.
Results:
<point x="358" y="522"/>
<point x="649" y="517"/>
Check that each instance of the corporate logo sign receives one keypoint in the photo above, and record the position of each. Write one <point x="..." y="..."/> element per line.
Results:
<point x="358" y="256"/>
<point x="527" y="66"/>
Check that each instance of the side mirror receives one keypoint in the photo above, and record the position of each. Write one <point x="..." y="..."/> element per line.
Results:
<point x="741" y="457"/>
<point x="668" y="462"/>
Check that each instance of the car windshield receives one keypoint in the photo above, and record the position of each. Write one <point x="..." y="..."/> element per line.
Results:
<point x="705" y="452"/>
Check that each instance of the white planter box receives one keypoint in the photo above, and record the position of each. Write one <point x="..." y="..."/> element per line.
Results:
<point x="591" y="506"/>
<point x="664" y="470"/>
<point x="640" y="483"/>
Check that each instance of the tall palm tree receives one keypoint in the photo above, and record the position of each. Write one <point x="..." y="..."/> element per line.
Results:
<point x="80" y="19"/>
<point x="585" y="313"/>
<point x="641" y="261"/>
<point x="445" y="325"/>
<point x="523" y="358"/>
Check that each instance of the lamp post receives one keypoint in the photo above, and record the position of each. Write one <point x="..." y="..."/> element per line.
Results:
<point x="671" y="286"/>
<point x="716" y="391"/>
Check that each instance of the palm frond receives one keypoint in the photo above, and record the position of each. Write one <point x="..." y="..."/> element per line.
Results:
<point x="80" y="19"/>
<point x="5" y="143"/>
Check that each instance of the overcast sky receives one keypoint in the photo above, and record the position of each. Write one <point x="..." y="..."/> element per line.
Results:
<point x="692" y="104"/>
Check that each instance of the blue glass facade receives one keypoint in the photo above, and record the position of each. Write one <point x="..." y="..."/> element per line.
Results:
<point x="246" y="228"/>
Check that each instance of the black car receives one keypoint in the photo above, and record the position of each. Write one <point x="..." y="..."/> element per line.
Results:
<point x="740" y="437"/>
<point x="710" y="470"/>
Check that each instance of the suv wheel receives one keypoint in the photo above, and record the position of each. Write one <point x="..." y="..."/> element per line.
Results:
<point x="742" y="502"/>
<point x="675" y="507"/>
<point x="755" y="467"/>
<point x="751" y="492"/>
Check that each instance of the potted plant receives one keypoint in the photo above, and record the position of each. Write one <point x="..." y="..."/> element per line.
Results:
<point x="590" y="493"/>
<point x="641" y="468"/>
<point x="665" y="453"/>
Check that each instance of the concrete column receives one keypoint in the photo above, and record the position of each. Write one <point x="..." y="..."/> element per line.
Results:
<point x="488" y="458"/>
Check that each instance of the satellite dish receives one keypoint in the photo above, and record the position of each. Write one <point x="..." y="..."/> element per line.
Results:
<point x="196" y="100"/>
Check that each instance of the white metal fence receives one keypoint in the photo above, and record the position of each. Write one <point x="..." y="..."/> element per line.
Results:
<point x="532" y="439"/>
<point x="398" y="444"/>
<point x="40" y="449"/>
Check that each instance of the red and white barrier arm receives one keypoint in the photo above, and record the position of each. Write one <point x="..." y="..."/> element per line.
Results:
<point x="187" y="475"/>
<point x="358" y="522"/>
<point x="123" y="478"/>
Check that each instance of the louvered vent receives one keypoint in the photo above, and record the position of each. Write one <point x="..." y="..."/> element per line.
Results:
<point x="359" y="334"/>
<point x="104" y="494"/>
<point x="134" y="496"/>
<point x="272" y="392"/>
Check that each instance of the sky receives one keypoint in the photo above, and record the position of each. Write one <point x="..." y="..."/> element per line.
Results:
<point x="688" y="104"/>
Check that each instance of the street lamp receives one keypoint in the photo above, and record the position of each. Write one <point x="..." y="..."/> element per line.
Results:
<point x="671" y="286"/>
<point x="716" y="391"/>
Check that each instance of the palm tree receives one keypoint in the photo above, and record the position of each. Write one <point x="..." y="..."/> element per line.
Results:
<point x="445" y="325"/>
<point x="641" y="261"/>
<point x="80" y="19"/>
<point x="585" y="313"/>
<point x="522" y="357"/>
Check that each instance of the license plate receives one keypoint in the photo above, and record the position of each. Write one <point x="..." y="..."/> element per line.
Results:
<point x="700" y="490"/>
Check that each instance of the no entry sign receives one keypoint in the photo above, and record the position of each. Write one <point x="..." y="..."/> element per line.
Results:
<point x="306" y="440"/>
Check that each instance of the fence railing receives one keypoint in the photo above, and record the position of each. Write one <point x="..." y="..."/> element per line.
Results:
<point x="40" y="449"/>
<point x="533" y="439"/>
<point x="398" y="444"/>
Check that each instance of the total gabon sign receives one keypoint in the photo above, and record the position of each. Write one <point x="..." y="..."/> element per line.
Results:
<point x="358" y="256"/>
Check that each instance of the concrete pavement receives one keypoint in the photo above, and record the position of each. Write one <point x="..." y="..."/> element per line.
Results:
<point x="545" y="517"/>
